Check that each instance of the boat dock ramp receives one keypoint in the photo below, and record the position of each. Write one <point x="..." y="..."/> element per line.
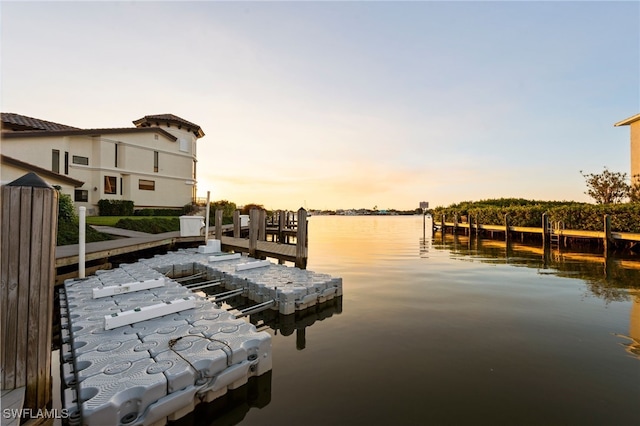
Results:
<point x="142" y="344"/>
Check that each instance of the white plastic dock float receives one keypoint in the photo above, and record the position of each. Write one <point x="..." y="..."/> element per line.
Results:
<point x="224" y="256"/>
<point x="127" y="288"/>
<point x="252" y="265"/>
<point x="118" y="319"/>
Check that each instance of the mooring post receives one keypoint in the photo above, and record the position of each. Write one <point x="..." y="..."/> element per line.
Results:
<point x="607" y="235"/>
<point x="545" y="231"/>
<point x="206" y="218"/>
<point x="262" y="229"/>
<point x="301" y="239"/>
<point x="455" y="223"/>
<point x="218" y="225"/>
<point x="442" y="224"/>
<point x="507" y="238"/>
<point x="281" y="225"/>
<point x="236" y="224"/>
<point x="254" y="219"/>
<point x="29" y="229"/>
<point x="470" y="220"/>
<point x="82" y="239"/>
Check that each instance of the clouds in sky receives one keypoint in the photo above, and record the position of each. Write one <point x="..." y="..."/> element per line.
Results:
<point x="346" y="104"/>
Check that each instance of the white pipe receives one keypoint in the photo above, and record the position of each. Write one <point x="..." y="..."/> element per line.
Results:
<point x="81" y="241"/>
<point x="206" y="226"/>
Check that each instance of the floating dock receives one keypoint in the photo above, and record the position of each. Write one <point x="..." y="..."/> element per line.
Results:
<point x="139" y="348"/>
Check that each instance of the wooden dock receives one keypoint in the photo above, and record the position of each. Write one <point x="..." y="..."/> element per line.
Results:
<point x="256" y="245"/>
<point x="552" y="233"/>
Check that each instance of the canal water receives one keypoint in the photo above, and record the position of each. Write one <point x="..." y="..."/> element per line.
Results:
<point x="446" y="331"/>
<point x="443" y="330"/>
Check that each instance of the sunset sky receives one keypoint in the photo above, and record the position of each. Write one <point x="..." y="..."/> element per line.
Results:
<point x="346" y="104"/>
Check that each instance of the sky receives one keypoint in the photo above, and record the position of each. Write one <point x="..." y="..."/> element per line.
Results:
<point x="360" y="104"/>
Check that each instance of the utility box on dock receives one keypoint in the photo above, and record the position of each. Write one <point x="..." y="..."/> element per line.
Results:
<point x="191" y="226"/>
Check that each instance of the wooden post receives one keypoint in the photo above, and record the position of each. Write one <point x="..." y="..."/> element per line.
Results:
<point x="254" y="219"/>
<point x="442" y="223"/>
<point x="507" y="238"/>
<point x="262" y="229"/>
<point x="545" y="231"/>
<point x="301" y="240"/>
<point x="281" y="224"/>
<point x="470" y="220"/>
<point x="236" y="224"/>
<point x="607" y="235"/>
<point x="218" y="224"/>
<point x="29" y="229"/>
<point x="477" y="226"/>
<point x="455" y="223"/>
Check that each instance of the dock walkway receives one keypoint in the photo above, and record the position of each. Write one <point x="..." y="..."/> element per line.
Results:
<point x="136" y="241"/>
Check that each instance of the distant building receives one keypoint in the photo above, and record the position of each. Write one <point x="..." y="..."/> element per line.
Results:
<point x="152" y="164"/>
<point x="634" y="123"/>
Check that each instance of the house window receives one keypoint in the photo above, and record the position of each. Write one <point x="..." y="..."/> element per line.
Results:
<point x="184" y="145"/>
<point x="116" y="156"/>
<point x="155" y="161"/>
<point x="121" y="185"/>
<point x="194" y="169"/>
<point x="146" y="185"/>
<point x="55" y="160"/>
<point x="66" y="163"/>
<point x="80" y="160"/>
<point x="109" y="184"/>
<point x="81" y="195"/>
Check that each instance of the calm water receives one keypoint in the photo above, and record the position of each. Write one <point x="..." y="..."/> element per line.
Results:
<point x="443" y="331"/>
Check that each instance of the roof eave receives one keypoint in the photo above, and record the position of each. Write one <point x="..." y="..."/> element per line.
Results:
<point x="87" y="132"/>
<point x="627" y="121"/>
<point x="39" y="170"/>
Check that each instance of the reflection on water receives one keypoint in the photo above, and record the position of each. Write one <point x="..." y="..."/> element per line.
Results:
<point x="608" y="277"/>
<point x="298" y="322"/>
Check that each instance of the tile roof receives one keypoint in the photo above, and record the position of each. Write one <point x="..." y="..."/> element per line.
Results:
<point x="148" y="120"/>
<point x="19" y="122"/>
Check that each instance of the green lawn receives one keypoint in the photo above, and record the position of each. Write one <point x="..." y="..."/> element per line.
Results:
<point x="112" y="220"/>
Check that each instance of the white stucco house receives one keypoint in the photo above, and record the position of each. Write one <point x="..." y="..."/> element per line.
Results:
<point x="634" y="123"/>
<point x="153" y="164"/>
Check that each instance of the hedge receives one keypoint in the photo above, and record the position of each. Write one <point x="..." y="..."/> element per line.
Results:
<point x="152" y="225"/>
<point x="115" y="207"/>
<point x="579" y="216"/>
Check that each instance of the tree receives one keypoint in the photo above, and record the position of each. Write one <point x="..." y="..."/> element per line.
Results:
<point x="634" y="190"/>
<point x="227" y="208"/>
<point x="607" y="187"/>
<point x="247" y="208"/>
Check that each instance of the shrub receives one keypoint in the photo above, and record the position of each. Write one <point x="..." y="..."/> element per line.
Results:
<point x="115" y="207"/>
<point x="158" y="212"/>
<point x="152" y="225"/>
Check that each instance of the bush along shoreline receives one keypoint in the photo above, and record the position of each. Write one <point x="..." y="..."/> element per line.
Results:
<point x="579" y="216"/>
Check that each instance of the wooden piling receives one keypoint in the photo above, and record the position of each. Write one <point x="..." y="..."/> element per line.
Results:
<point x="607" y="235"/>
<point x="545" y="230"/>
<point x="29" y="228"/>
<point x="254" y="224"/>
<point x="218" y="224"/>
<point x="262" y="228"/>
<point x="507" y="235"/>
<point x="281" y="225"/>
<point x="301" y="240"/>
<point x="236" y="224"/>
